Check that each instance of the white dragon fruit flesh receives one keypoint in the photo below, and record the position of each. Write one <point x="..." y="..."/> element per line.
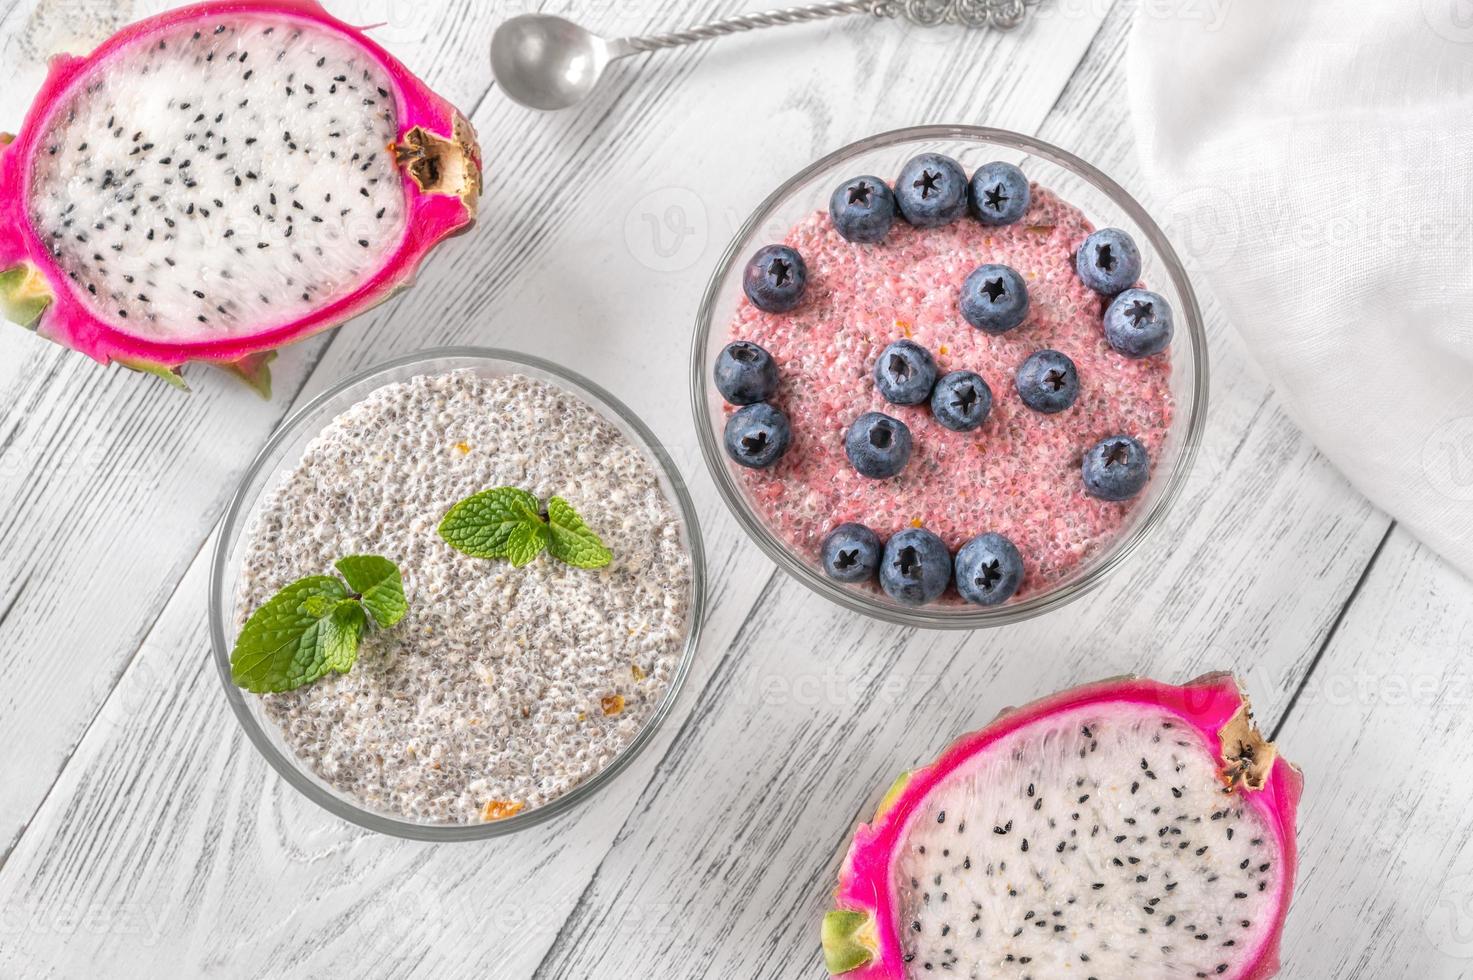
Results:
<point x="222" y="179"/>
<point x="1127" y="829"/>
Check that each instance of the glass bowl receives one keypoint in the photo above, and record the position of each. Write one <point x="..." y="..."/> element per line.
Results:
<point x="284" y="449"/>
<point x="1104" y="203"/>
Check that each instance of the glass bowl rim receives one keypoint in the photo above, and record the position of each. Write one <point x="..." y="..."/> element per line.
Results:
<point x="239" y="510"/>
<point x="929" y="617"/>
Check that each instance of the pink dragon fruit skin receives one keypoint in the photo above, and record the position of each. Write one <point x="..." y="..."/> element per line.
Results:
<point x="438" y="162"/>
<point x="862" y="936"/>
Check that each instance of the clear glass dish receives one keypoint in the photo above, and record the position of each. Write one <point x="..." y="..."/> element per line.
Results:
<point x="284" y="449"/>
<point x="1105" y="203"/>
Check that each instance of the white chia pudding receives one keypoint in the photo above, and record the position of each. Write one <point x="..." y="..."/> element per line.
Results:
<point x="503" y="688"/>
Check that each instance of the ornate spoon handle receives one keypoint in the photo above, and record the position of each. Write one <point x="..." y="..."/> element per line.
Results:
<point x="997" y="14"/>
<point x="1000" y="15"/>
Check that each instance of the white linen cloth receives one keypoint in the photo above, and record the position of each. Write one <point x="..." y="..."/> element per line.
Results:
<point x="1321" y="154"/>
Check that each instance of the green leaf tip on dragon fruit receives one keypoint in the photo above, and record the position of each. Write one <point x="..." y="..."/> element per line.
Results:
<point x="1127" y="828"/>
<point x="254" y="370"/>
<point x="223" y="179"/>
<point x="848" y="940"/>
<point x="24" y="295"/>
<point x="168" y="375"/>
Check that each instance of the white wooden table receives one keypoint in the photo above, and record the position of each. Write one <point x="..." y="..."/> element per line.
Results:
<point x="140" y="834"/>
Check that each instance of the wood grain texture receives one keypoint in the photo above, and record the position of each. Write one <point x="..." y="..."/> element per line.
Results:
<point x="1382" y="732"/>
<point x="815" y="717"/>
<point x="182" y="849"/>
<point x="148" y="836"/>
<point x="110" y="481"/>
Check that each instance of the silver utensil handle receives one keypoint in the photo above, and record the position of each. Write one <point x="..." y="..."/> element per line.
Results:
<point x="750" y="22"/>
<point x="1000" y="15"/>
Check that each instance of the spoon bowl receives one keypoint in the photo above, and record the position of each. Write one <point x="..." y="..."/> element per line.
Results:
<point x="546" y="62"/>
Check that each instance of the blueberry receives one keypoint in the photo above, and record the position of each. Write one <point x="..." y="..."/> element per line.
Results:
<point x="916" y="568"/>
<point x="994" y="299"/>
<point x="775" y="278"/>
<point x="863" y="209"/>
<point x="757" y="436"/>
<point x="851" y="553"/>
<point x="905" y="373"/>
<point x="998" y="193"/>
<point x="1139" y="323"/>
<point x="877" y="445"/>
<point x="988" y="570"/>
<point x="745" y="373"/>
<point x="961" y="401"/>
<point x="1047" y="382"/>
<point x="1116" y="468"/>
<point x="931" y="190"/>
<point x="1108" y="261"/>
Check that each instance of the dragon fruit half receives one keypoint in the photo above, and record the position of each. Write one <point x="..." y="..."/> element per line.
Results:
<point x="222" y="179"/>
<point x="1121" y="829"/>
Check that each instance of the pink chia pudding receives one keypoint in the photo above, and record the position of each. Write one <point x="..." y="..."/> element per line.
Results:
<point x="1019" y="473"/>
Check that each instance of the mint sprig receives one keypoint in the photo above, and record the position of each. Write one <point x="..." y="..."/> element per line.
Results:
<point x="505" y="522"/>
<point x="313" y="626"/>
<point x="498" y="523"/>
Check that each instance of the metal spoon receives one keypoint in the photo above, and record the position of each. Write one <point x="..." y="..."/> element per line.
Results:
<point x="546" y="62"/>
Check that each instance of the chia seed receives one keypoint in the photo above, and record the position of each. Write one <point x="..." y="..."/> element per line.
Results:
<point x="502" y="688"/>
<point x="1017" y="475"/>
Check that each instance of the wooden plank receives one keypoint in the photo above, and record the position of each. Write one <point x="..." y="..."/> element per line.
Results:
<point x="510" y="282"/>
<point x="168" y="842"/>
<point x="110" y="481"/>
<point x="1385" y="738"/>
<point x="730" y="861"/>
<point x="728" y="866"/>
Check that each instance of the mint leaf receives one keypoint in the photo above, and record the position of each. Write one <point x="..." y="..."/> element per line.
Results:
<point x="320" y="605"/>
<point x="506" y="523"/>
<point x="343" y="629"/>
<point x="572" y="540"/>
<point x="379" y="584"/>
<point x="484" y="524"/>
<point x="313" y="626"/>
<point x="526" y="542"/>
<point x="297" y="636"/>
